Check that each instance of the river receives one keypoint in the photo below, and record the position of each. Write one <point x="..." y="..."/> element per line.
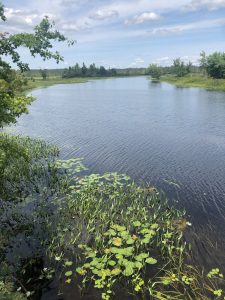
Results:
<point x="172" y="138"/>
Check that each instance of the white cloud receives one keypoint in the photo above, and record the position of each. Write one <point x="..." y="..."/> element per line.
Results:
<point x="139" y="60"/>
<point x="136" y="63"/>
<point x="18" y="19"/>
<point x="103" y="14"/>
<point x="180" y="28"/>
<point x="208" y="4"/>
<point x="142" y="18"/>
<point x="70" y="26"/>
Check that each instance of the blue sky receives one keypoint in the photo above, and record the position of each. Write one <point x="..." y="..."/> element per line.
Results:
<point x="124" y="33"/>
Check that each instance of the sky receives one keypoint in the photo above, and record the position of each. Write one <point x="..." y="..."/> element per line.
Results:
<point x="123" y="33"/>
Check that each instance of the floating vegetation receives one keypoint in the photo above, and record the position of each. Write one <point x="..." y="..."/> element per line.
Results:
<point x="99" y="231"/>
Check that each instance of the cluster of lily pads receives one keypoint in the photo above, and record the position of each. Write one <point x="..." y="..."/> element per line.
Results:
<point x="125" y="238"/>
<point x="126" y="254"/>
<point x="99" y="232"/>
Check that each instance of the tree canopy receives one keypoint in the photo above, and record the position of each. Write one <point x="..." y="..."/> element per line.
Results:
<point x="155" y="71"/>
<point x="91" y="71"/>
<point x="213" y="64"/>
<point x="181" y="69"/>
<point x="39" y="42"/>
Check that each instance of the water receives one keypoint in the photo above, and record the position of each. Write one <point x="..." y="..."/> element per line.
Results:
<point x="173" y="138"/>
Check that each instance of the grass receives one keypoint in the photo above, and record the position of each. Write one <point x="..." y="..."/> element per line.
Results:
<point x="196" y="80"/>
<point x="39" y="82"/>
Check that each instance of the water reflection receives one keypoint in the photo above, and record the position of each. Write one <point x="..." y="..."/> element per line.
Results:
<point x="152" y="131"/>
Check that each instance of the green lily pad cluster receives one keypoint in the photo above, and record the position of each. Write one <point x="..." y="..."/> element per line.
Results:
<point x="125" y="255"/>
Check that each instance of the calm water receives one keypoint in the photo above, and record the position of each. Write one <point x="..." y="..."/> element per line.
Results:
<point x="173" y="138"/>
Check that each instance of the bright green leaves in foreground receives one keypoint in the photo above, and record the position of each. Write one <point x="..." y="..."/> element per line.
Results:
<point x="117" y="259"/>
<point x="104" y="231"/>
<point x="125" y="237"/>
<point x="124" y="254"/>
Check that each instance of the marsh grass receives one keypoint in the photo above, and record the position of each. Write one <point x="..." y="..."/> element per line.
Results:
<point x="38" y="82"/>
<point x="196" y="80"/>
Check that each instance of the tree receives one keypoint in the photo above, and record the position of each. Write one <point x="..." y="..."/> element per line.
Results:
<point x="155" y="71"/>
<point x="203" y="61"/>
<point x="12" y="102"/>
<point x="181" y="69"/>
<point x="102" y="71"/>
<point x="215" y="65"/>
<point x="84" y="70"/>
<point x="92" y="71"/>
<point x="43" y="73"/>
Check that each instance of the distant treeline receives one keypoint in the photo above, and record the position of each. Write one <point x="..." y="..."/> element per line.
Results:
<point x="84" y="71"/>
<point x="94" y="71"/>
<point x="91" y="71"/>
<point x="212" y="65"/>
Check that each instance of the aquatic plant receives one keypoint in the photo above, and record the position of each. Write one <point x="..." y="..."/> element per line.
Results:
<point x="103" y="231"/>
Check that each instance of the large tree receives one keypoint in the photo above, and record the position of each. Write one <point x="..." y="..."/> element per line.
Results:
<point x="39" y="42"/>
<point x="155" y="71"/>
<point x="181" y="69"/>
<point x="215" y="65"/>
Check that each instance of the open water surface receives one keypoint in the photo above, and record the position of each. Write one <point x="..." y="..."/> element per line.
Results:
<point x="173" y="138"/>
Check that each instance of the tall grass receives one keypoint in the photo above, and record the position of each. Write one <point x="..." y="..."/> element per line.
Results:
<point x="196" y="80"/>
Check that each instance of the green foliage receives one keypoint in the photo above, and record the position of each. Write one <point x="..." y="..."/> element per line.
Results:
<point x="203" y="61"/>
<point x="181" y="69"/>
<point x="125" y="239"/>
<point x="12" y="103"/>
<point x="155" y="71"/>
<point x="33" y="161"/>
<point x="7" y="292"/>
<point x="44" y="73"/>
<point x="91" y="71"/>
<point x="98" y="229"/>
<point x="124" y="254"/>
<point x="2" y="16"/>
<point x="196" y="80"/>
<point x="214" y="64"/>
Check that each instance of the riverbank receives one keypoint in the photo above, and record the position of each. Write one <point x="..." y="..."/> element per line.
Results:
<point x="196" y="80"/>
<point x="39" y="82"/>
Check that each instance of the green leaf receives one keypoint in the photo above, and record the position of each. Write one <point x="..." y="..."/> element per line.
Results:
<point x="68" y="273"/>
<point x="138" y="265"/>
<point x="154" y="226"/>
<point x="80" y="271"/>
<point x="137" y="224"/>
<point x="112" y="263"/>
<point x="141" y="256"/>
<point x="68" y="263"/>
<point x="111" y="232"/>
<point x="127" y="251"/>
<point x="146" y="240"/>
<point x="130" y="241"/>
<point x="151" y="261"/>
<point x="116" y="271"/>
<point x="128" y="270"/>
<point x="118" y="227"/>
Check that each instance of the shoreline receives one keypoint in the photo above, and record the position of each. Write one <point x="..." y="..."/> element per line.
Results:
<point x="40" y="83"/>
<point x="194" y="80"/>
